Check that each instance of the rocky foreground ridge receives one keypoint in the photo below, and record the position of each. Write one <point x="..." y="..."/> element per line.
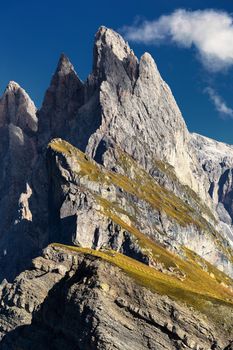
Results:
<point x="74" y="299"/>
<point x="136" y="214"/>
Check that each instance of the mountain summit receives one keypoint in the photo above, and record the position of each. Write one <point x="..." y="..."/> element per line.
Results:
<point x="116" y="222"/>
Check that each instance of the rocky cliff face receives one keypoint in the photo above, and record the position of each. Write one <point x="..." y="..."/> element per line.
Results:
<point x="122" y="174"/>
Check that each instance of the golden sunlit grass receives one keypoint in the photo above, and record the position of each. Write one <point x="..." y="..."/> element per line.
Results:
<point x="170" y="172"/>
<point x="191" y="267"/>
<point x="199" y="290"/>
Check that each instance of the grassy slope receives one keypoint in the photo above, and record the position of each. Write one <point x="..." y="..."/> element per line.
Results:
<point x="199" y="290"/>
<point x="197" y="281"/>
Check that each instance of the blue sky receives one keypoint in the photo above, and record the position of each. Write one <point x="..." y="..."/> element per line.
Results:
<point x="33" y="34"/>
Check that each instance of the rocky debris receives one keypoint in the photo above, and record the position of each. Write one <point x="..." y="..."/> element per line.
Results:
<point x="90" y="304"/>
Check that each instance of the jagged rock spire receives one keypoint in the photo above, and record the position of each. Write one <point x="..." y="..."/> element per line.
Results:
<point x="108" y="38"/>
<point x="64" y="65"/>
<point x="61" y="102"/>
<point x="113" y="56"/>
<point x="18" y="109"/>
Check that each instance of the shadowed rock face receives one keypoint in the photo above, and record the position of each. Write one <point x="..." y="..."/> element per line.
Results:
<point x="18" y="155"/>
<point x="142" y="179"/>
<point x="61" y="102"/>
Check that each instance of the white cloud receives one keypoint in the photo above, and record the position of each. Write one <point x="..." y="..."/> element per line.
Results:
<point x="219" y="103"/>
<point x="209" y="31"/>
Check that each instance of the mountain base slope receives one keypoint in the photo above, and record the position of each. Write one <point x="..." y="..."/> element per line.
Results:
<point x="75" y="300"/>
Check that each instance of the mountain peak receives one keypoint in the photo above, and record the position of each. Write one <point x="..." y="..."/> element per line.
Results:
<point x="14" y="88"/>
<point x="113" y="57"/>
<point x="148" y="69"/>
<point x="62" y="99"/>
<point x="106" y="37"/>
<point x="17" y="108"/>
<point x="64" y="65"/>
<point x="12" y="85"/>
